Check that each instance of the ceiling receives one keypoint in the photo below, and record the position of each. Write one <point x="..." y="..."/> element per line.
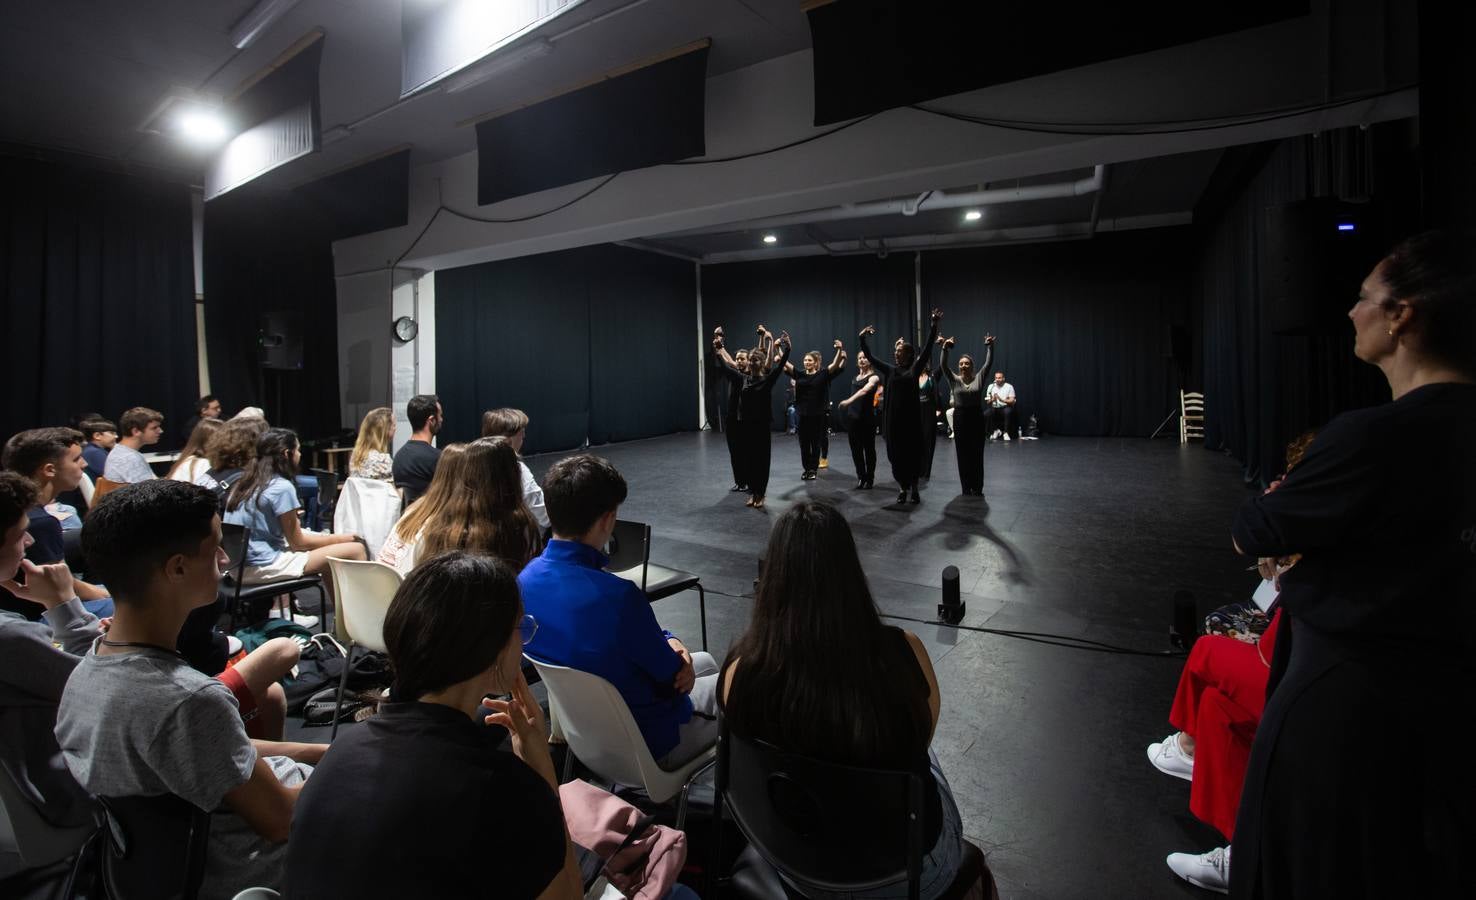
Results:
<point x="83" y="75"/>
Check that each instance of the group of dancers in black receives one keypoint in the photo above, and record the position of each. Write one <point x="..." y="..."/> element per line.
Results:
<point x="752" y="373"/>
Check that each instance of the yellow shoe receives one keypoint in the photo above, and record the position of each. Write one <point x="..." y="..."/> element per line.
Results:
<point x="824" y="463"/>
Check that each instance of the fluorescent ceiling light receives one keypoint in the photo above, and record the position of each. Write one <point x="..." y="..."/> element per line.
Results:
<point x="771" y="239"/>
<point x="973" y="215"/>
<point x="261" y="16"/>
<point x="498" y="62"/>
<point x="201" y="126"/>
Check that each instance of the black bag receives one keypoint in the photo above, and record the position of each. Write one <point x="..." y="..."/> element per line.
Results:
<point x="321" y="667"/>
<point x="222" y="481"/>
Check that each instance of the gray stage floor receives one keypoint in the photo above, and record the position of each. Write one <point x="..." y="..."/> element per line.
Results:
<point x="1044" y="746"/>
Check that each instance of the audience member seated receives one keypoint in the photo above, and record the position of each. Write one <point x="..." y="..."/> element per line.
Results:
<point x="141" y="427"/>
<point x="868" y="700"/>
<point x="418" y="799"/>
<point x="230" y="451"/>
<point x="481" y="511"/>
<point x="251" y="412"/>
<point x="264" y="500"/>
<point x="599" y="623"/>
<point x="1217" y="708"/>
<point x="415" y="464"/>
<point x="35" y="660"/>
<point x="193" y="462"/>
<point x="101" y="436"/>
<point x="207" y="407"/>
<point x="371" y="457"/>
<point x="513" y="425"/>
<point x="999" y="412"/>
<point x="52" y="459"/>
<point x="401" y="548"/>
<point x="136" y="720"/>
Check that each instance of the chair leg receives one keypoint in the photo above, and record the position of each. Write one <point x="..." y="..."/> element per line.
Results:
<point x="568" y="774"/>
<point x="342" y="685"/>
<point x="702" y="610"/>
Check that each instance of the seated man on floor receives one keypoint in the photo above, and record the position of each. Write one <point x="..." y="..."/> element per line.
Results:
<point x="142" y="427"/>
<point x="999" y="408"/>
<point x="596" y="622"/>
<point x="52" y="459"/>
<point x="137" y="721"/>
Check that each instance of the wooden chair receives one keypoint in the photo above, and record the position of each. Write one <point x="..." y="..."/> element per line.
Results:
<point x="103" y="487"/>
<point x="1191" y="416"/>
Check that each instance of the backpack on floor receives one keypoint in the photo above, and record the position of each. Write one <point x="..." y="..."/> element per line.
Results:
<point x="321" y="667"/>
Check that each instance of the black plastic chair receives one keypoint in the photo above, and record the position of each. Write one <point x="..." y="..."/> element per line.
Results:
<point x="327" y="496"/>
<point x="241" y="598"/>
<point x="152" y="847"/>
<point x="630" y="558"/>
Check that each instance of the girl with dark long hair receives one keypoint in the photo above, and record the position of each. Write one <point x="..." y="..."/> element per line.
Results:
<point x="860" y="415"/>
<point x="264" y="501"/>
<point x="756" y="412"/>
<point x="817" y="673"/>
<point x="968" y="414"/>
<point x="900" y="413"/>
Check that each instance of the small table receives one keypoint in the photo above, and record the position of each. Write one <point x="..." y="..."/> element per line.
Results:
<point x="160" y="462"/>
<point x="332" y="453"/>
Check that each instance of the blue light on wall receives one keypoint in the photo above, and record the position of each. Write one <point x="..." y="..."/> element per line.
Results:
<point x="1346" y="226"/>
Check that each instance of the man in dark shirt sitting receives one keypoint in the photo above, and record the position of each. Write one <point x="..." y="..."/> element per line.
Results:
<point x="101" y="436"/>
<point x="415" y="464"/>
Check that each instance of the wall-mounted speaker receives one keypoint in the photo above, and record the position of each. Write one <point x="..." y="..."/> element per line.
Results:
<point x="279" y="340"/>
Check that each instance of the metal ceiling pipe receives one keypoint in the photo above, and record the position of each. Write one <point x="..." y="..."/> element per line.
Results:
<point x="937" y="200"/>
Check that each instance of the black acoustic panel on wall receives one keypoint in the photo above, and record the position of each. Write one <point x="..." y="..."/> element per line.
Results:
<point x="1313" y="256"/>
<point x="872" y="55"/>
<point x="642" y="118"/>
<point x="280" y="340"/>
<point x="369" y="197"/>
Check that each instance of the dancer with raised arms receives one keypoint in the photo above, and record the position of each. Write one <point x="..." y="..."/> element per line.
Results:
<point x="968" y="414"/>
<point x="901" y="422"/>
<point x="859" y="411"/>
<point x="812" y="403"/>
<point x="755" y="410"/>
<point x="739" y="361"/>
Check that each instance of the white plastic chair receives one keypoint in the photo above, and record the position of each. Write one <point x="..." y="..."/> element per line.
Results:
<point x="601" y="732"/>
<point x="362" y="592"/>
<point x="369" y="508"/>
<point x="28" y="841"/>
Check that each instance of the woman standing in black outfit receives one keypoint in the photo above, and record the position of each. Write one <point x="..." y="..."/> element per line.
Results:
<point x="860" y="412"/>
<point x="730" y="419"/>
<point x="927" y="416"/>
<point x="755" y="413"/>
<point x="968" y="414"/>
<point x="812" y="405"/>
<point x="1352" y="789"/>
<point x="900" y="413"/>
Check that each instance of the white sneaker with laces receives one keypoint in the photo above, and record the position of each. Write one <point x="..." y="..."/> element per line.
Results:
<point x="1168" y="757"/>
<point x="304" y="621"/>
<point x="1006" y="437"/>
<point x="1210" y="871"/>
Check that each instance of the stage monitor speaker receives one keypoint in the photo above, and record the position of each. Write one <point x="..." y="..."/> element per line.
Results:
<point x="279" y="341"/>
<point x="1313" y="256"/>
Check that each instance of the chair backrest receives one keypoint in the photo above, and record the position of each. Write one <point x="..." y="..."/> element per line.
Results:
<point x="370" y="508"/>
<point x="363" y="591"/>
<point x="629" y="548"/>
<point x="27" y="840"/>
<point x="598" y="725"/>
<point x="155" y="847"/>
<point x="1191" y="416"/>
<point x="327" y="492"/>
<point x="233" y="540"/>
<point x="103" y="487"/>
<point x="817" y="821"/>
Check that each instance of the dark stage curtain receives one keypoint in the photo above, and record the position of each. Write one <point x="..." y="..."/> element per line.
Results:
<point x="1263" y="389"/>
<point x="817" y="299"/>
<point x="98" y="285"/>
<point x="594" y="344"/>
<point x="1083" y="327"/>
<point x="270" y="251"/>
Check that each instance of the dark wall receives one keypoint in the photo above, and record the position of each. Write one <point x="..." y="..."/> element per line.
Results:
<point x="595" y="345"/>
<point x="817" y="299"/>
<point x="1082" y="328"/>
<point x="97" y="282"/>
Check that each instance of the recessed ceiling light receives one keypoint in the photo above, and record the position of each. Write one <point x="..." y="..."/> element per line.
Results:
<point x="973" y="215"/>
<point x="202" y="126"/>
<point x="771" y="239"/>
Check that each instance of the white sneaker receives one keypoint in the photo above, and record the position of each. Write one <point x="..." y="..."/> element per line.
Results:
<point x="304" y="621"/>
<point x="1006" y="437"/>
<point x="994" y="437"/>
<point x="1210" y="871"/>
<point x="1168" y="757"/>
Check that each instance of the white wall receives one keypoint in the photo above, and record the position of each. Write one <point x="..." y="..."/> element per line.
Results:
<point x="413" y="365"/>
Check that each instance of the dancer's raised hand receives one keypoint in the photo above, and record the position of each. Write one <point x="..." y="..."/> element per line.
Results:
<point x="989" y="339"/>
<point x="784" y="336"/>
<point x="838" y="344"/>
<point x="937" y="315"/>
<point x="869" y="329"/>
<point x="948" y="342"/>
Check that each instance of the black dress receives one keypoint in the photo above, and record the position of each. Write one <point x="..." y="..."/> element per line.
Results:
<point x="1358" y="785"/>
<point x="900" y="413"/>
<point x="755" y="414"/>
<point x="730" y="420"/>
<point x="927" y="418"/>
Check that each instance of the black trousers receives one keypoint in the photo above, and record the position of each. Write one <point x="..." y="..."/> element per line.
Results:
<point x="811" y="440"/>
<point x="862" y="434"/>
<point x="755" y="465"/>
<point x="969" y="436"/>
<point x="732" y="430"/>
<point x="929" y="422"/>
<point x="1002" y="419"/>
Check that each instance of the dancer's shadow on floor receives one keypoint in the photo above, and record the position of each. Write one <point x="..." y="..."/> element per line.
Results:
<point x="963" y="516"/>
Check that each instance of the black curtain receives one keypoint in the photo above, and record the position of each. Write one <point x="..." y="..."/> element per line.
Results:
<point x="817" y="299"/>
<point x="1263" y="389"/>
<point x="1083" y="328"/>
<point x="595" y="345"/>
<point x="269" y="251"/>
<point x="97" y="276"/>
